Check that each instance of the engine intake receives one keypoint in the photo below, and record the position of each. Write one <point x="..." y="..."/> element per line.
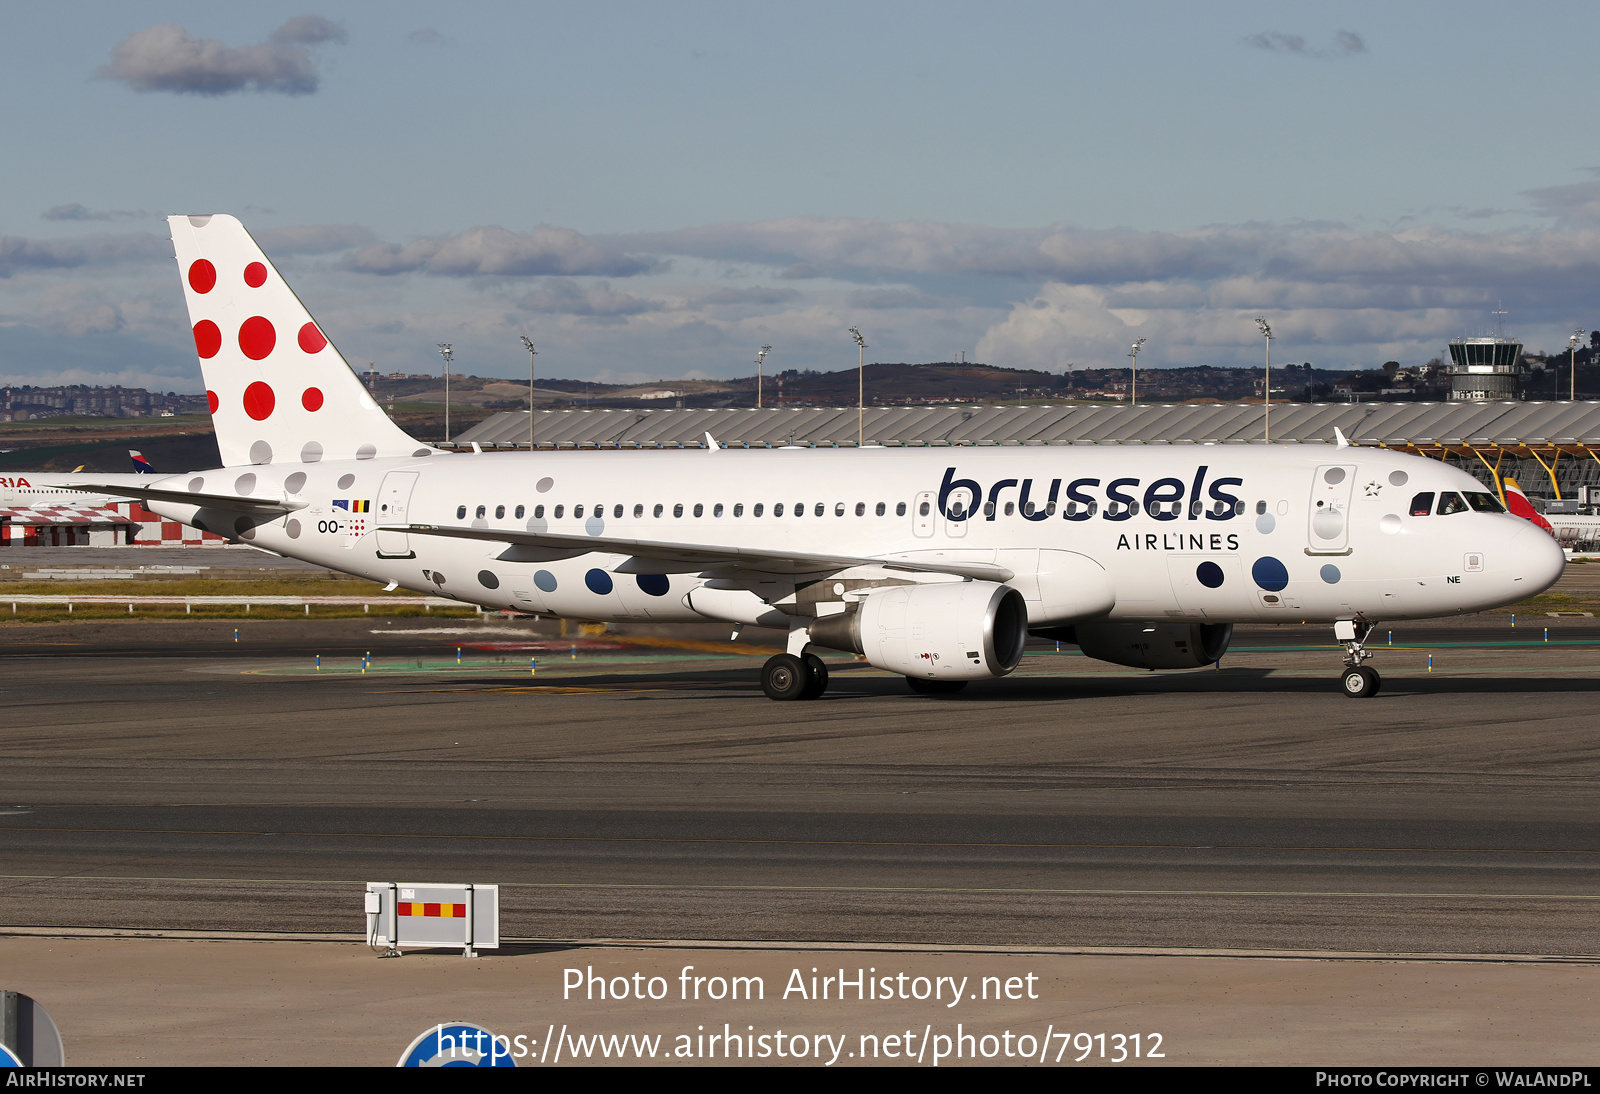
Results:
<point x="1152" y="645"/>
<point x="966" y="630"/>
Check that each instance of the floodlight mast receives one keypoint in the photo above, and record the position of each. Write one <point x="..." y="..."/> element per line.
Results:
<point x="1134" y="353"/>
<point x="1572" y="353"/>
<point x="1266" y="388"/>
<point x="447" y="353"/>
<point x="532" y="353"/>
<point x="760" y="357"/>
<point x="861" y="386"/>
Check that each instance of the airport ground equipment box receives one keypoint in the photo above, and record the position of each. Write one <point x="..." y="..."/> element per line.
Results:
<point x="415" y="915"/>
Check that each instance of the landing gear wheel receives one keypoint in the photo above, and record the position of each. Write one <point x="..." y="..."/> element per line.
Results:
<point x="817" y="671"/>
<point x="785" y="677"/>
<point x="935" y="687"/>
<point x="1360" y="682"/>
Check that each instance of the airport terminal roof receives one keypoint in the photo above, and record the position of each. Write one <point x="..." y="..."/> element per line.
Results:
<point x="1395" y="425"/>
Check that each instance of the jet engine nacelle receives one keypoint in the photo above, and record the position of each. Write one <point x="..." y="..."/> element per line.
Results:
<point x="959" y="630"/>
<point x="1155" y="645"/>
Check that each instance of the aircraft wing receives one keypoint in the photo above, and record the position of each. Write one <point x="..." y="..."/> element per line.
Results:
<point x="261" y="503"/>
<point x="707" y="555"/>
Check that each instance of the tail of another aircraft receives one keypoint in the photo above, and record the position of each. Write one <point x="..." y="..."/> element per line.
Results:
<point x="141" y="465"/>
<point x="279" y="391"/>
<point x="1518" y="504"/>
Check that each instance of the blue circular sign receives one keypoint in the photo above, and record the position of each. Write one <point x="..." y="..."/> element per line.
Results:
<point x="457" y="1044"/>
<point x="1270" y="574"/>
<point x="654" y="584"/>
<point x="1330" y="574"/>
<point x="599" y="582"/>
<point x="1209" y="574"/>
<point x="545" y="580"/>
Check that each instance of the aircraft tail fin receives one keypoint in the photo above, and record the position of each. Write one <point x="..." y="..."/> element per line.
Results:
<point x="1519" y="505"/>
<point x="279" y="391"/>
<point x="141" y="465"/>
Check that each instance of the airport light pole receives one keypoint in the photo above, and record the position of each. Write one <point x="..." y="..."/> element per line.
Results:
<point x="532" y="353"/>
<point x="1134" y="353"/>
<point x="760" y="357"/>
<point x="447" y="353"/>
<point x="861" y="384"/>
<point x="1572" y="354"/>
<point x="1266" y="388"/>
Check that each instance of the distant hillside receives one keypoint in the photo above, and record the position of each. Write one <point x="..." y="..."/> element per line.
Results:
<point x="887" y="384"/>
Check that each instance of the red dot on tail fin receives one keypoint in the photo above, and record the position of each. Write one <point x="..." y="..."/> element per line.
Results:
<point x="311" y="398"/>
<point x="207" y="339"/>
<point x="311" y="339"/>
<point x="202" y="276"/>
<point x="255" y="275"/>
<point x="257" y="337"/>
<point x="211" y="399"/>
<point x="259" y="401"/>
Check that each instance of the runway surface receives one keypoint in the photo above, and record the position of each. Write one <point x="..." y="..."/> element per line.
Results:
<point x="163" y="776"/>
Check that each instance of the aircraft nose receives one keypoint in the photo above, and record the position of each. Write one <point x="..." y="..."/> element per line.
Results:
<point x="1537" y="559"/>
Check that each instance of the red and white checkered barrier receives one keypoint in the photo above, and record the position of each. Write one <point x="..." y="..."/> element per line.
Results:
<point x="125" y="522"/>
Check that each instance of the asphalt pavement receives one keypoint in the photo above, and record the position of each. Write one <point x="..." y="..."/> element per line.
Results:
<point x="164" y="776"/>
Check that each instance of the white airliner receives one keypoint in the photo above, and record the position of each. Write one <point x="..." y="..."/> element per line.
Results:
<point x="933" y="563"/>
<point x="24" y="493"/>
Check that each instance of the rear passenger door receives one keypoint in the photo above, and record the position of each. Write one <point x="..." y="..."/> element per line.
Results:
<point x="394" y="504"/>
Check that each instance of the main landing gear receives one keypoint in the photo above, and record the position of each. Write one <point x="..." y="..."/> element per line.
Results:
<point x="1358" y="681"/>
<point x="786" y="677"/>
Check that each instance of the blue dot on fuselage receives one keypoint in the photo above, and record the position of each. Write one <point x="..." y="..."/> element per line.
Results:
<point x="1330" y="574"/>
<point x="1209" y="575"/>
<point x="545" y="580"/>
<point x="598" y="581"/>
<point x="654" y="584"/>
<point x="1270" y="574"/>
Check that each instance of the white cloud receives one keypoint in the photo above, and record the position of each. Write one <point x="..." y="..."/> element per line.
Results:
<point x="495" y="252"/>
<point x="18" y="253"/>
<point x="312" y="239"/>
<point x="662" y="305"/>
<point x="1346" y="43"/>
<point x="79" y="211"/>
<point x="568" y="297"/>
<point x="169" y="58"/>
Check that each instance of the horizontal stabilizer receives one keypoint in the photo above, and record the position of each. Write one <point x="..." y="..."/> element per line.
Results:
<point x="259" y="503"/>
<point x="708" y="555"/>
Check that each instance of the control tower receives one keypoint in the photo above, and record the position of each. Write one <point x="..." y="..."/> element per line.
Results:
<point x="1485" y="369"/>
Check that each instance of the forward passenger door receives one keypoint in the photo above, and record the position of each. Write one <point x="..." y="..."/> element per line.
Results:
<point x="1328" y="529"/>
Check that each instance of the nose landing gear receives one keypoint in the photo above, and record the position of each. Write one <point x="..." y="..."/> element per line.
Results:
<point x="1358" y="681"/>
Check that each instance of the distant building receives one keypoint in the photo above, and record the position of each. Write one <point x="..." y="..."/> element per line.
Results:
<point x="1484" y="369"/>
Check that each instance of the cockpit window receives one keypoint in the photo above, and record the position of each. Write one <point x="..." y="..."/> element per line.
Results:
<point x="1451" y="502"/>
<point x="1422" y="504"/>
<point x="1485" y="503"/>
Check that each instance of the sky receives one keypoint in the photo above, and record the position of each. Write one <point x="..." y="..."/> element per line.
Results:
<point x="656" y="190"/>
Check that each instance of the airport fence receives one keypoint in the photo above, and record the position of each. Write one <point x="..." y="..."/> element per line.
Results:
<point x="189" y="603"/>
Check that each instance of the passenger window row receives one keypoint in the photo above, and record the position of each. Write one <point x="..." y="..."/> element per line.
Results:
<point x="699" y="510"/>
<point x="1072" y="510"/>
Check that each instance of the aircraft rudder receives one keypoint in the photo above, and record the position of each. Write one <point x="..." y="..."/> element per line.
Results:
<point x="278" y="389"/>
